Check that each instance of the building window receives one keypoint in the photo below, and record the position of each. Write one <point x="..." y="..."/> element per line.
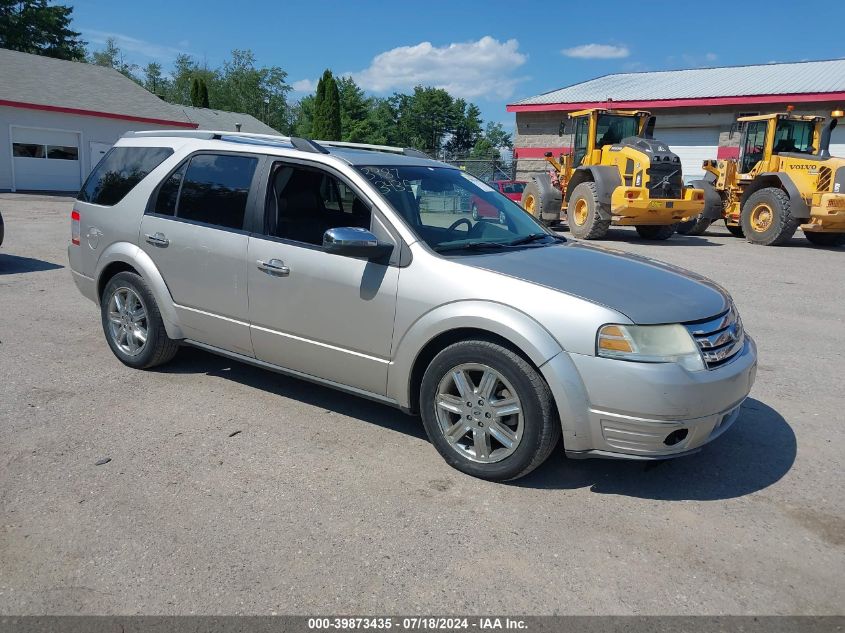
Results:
<point x="63" y="152"/>
<point x="28" y="150"/>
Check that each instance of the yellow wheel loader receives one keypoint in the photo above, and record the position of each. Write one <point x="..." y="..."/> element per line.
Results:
<point x="784" y="178"/>
<point x="616" y="173"/>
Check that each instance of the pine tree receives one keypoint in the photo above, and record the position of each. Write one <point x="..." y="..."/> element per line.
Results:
<point x="35" y="26"/>
<point x="199" y="93"/>
<point x="326" y="123"/>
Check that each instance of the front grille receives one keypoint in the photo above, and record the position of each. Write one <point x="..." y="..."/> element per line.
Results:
<point x="665" y="180"/>
<point x="720" y="338"/>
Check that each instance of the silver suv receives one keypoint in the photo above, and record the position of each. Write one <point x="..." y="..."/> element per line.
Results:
<point x="362" y="268"/>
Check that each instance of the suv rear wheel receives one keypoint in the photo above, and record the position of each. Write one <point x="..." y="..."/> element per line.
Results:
<point x="132" y="323"/>
<point x="487" y="411"/>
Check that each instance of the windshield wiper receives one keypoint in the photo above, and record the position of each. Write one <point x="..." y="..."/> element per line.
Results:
<point x="442" y="248"/>
<point x="533" y="238"/>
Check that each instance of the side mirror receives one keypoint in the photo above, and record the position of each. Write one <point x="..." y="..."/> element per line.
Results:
<point x="352" y="241"/>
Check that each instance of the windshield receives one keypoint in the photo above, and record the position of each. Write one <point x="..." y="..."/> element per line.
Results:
<point x="612" y="128"/>
<point x="794" y="136"/>
<point x="453" y="211"/>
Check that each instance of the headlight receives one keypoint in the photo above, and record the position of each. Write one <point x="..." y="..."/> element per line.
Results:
<point x="650" y="344"/>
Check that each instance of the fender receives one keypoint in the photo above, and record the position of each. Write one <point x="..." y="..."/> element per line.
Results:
<point x="140" y="261"/>
<point x="519" y="328"/>
<point x="606" y="178"/>
<point x="798" y="207"/>
<point x="714" y="207"/>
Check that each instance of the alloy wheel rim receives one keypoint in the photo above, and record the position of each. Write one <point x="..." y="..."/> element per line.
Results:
<point x="580" y="211"/>
<point x="479" y="413"/>
<point x="127" y="320"/>
<point x="761" y="218"/>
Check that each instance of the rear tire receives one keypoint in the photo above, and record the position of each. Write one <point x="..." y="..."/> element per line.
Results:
<point x="541" y="198"/>
<point x="582" y="213"/>
<point x="735" y="230"/>
<point x="494" y="380"/>
<point x="825" y="239"/>
<point x="767" y="219"/>
<point x="656" y="232"/>
<point x="695" y="226"/>
<point x="132" y="323"/>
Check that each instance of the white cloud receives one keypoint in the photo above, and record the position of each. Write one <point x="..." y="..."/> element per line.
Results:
<point x="711" y="57"/>
<point x="133" y="45"/>
<point x="304" y="85"/>
<point x="597" y="51"/>
<point x="467" y="69"/>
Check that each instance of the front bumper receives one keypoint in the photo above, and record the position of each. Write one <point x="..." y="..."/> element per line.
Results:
<point x="642" y="210"/>
<point x="614" y="408"/>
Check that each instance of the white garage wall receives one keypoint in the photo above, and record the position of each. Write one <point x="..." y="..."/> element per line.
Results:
<point x="693" y="145"/>
<point x="91" y="129"/>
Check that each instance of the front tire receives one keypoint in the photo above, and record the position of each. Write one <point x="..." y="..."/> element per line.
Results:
<point x="767" y="219"/>
<point x="132" y="323"/>
<point x="825" y="239"/>
<point x="582" y="213"/>
<point x="656" y="232"/>
<point x="735" y="229"/>
<point x="487" y="411"/>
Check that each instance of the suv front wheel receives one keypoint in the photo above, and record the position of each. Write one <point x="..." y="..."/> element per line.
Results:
<point x="132" y="323"/>
<point x="487" y="411"/>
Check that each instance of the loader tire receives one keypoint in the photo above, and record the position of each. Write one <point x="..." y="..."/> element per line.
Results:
<point x="734" y="229"/>
<point x="541" y="198"/>
<point x="582" y="213"/>
<point x="767" y="219"/>
<point x="656" y="232"/>
<point x="825" y="239"/>
<point x="694" y="226"/>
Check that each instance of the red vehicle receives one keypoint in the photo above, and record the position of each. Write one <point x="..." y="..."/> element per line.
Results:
<point x="511" y="189"/>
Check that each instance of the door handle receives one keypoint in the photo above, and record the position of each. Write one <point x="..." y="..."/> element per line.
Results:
<point x="157" y="239"/>
<point x="274" y="267"/>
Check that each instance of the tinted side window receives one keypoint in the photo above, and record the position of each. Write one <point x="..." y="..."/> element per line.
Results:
<point x="119" y="171"/>
<point x="168" y="193"/>
<point x="215" y="189"/>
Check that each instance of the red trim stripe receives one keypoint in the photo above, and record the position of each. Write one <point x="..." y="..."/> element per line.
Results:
<point x="538" y="152"/>
<point x="727" y="152"/>
<point x="104" y="115"/>
<point x="682" y="103"/>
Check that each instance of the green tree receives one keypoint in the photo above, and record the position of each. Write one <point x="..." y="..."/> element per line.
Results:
<point x="240" y="86"/>
<point x="199" y="93"/>
<point x="154" y="80"/>
<point x="495" y="133"/>
<point x="34" y="26"/>
<point x="326" y="121"/>
<point x="112" y="57"/>
<point x="303" y="117"/>
<point x="467" y="128"/>
<point x="355" y="121"/>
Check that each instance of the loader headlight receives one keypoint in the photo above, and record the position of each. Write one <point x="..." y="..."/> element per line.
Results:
<point x="649" y="344"/>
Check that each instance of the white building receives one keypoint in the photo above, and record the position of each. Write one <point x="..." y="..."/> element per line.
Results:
<point x="58" y="118"/>
<point x="696" y="109"/>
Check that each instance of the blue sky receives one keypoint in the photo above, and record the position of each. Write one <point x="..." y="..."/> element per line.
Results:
<point x="490" y="52"/>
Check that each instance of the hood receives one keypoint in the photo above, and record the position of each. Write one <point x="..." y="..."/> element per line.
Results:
<point x="644" y="290"/>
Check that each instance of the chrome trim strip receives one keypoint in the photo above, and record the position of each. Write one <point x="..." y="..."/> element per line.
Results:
<point x="713" y="325"/>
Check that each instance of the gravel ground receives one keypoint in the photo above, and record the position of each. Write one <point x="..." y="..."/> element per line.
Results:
<point x="231" y="490"/>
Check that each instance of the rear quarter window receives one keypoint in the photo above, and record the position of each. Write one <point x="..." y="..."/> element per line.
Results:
<point x="119" y="171"/>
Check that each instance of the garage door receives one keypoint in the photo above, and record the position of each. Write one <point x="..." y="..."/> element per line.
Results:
<point x="693" y="144"/>
<point x="46" y="160"/>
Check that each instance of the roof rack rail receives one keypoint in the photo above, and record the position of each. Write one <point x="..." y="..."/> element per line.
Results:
<point x="206" y="134"/>
<point x="407" y="151"/>
<point x="307" y="145"/>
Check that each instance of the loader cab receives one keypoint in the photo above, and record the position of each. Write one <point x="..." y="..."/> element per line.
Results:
<point x="594" y="129"/>
<point x="777" y="134"/>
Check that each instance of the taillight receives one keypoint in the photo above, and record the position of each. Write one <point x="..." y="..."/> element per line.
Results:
<point x="75" y="224"/>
